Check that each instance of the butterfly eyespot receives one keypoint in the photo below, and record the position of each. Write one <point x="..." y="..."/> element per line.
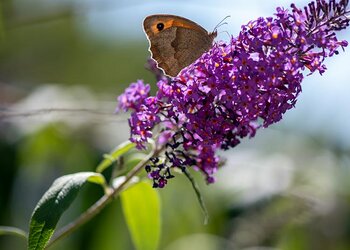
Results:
<point x="160" y="26"/>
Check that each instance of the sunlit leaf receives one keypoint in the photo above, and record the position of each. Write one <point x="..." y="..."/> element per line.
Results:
<point x="53" y="204"/>
<point x="114" y="155"/>
<point x="141" y="207"/>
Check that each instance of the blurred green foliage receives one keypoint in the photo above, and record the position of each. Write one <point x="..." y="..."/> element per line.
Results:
<point x="52" y="48"/>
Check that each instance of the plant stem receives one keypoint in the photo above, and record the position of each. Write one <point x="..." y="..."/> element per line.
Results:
<point x="199" y="196"/>
<point x="13" y="231"/>
<point x="102" y="202"/>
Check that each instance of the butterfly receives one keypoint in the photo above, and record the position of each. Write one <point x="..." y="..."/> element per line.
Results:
<point x="176" y="42"/>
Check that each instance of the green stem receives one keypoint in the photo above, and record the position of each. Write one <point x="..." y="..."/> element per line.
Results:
<point x="13" y="231"/>
<point x="102" y="202"/>
<point x="199" y="196"/>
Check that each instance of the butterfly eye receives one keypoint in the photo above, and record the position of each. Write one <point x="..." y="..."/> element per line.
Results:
<point x="160" y="26"/>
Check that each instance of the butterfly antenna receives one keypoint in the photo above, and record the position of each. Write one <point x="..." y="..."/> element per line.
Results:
<point x="222" y="22"/>
<point x="228" y="34"/>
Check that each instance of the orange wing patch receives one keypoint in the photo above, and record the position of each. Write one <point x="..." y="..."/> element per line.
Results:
<point x="173" y="23"/>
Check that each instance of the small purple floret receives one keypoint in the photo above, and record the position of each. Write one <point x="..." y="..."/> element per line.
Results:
<point x="133" y="97"/>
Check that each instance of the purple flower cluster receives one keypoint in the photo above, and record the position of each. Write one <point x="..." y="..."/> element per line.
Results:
<point x="134" y="96"/>
<point x="235" y="88"/>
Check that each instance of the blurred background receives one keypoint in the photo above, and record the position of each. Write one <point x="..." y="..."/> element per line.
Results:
<point x="62" y="65"/>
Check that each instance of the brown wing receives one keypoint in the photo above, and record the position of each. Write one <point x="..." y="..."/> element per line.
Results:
<point x="189" y="45"/>
<point x="179" y="44"/>
<point x="164" y="53"/>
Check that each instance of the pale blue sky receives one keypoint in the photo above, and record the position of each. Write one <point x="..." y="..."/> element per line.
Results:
<point x="125" y="17"/>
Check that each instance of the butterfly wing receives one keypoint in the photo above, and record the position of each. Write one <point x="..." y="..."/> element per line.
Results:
<point x="164" y="53"/>
<point x="189" y="45"/>
<point x="179" y="43"/>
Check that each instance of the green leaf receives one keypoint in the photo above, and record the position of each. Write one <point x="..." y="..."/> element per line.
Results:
<point x="13" y="231"/>
<point x="52" y="205"/>
<point x="97" y="179"/>
<point x="114" y="155"/>
<point x="141" y="207"/>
